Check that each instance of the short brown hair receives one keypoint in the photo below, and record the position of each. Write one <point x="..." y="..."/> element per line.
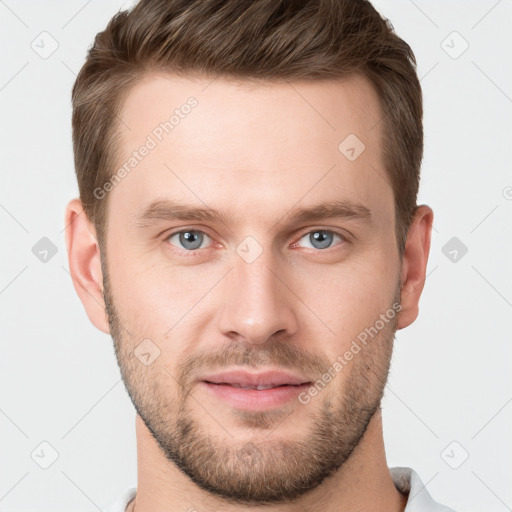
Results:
<point x="270" y="40"/>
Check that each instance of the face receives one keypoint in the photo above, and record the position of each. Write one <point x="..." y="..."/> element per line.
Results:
<point x="245" y="240"/>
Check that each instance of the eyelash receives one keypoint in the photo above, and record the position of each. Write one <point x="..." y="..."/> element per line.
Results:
<point x="344" y="239"/>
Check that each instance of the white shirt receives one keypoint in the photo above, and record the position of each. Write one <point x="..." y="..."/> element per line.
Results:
<point x="406" y="480"/>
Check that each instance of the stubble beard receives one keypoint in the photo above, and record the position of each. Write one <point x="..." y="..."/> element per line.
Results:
<point x="256" y="471"/>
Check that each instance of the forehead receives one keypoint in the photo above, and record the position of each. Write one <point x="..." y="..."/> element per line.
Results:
<point x="319" y="108"/>
<point x="238" y="143"/>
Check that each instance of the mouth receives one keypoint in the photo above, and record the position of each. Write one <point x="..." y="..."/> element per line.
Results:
<point x="261" y="380"/>
<point x="259" y="387"/>
<point x="255" y="391"/>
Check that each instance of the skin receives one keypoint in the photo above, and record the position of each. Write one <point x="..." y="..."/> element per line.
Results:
<point x="255" y="153"/>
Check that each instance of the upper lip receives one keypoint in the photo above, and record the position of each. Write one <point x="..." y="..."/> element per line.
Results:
<point x="272" y="378"/>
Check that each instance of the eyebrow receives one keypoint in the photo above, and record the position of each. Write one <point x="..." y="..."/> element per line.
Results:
<point x="170" y="210"/>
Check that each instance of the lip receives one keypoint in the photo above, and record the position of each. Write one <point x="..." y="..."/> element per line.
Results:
<point x="269" y="378"/>
<point x="226" y="386"/>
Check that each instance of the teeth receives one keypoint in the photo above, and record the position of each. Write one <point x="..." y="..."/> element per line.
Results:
<point x="259" y="387"/>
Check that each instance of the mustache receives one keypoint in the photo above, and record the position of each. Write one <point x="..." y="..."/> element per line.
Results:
<point x="275" y="353"/>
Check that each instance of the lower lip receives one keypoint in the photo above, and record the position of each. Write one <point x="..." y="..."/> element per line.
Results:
<point x="254" y="399"/>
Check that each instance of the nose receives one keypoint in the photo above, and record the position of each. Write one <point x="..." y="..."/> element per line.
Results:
<point x="258" y="302"/>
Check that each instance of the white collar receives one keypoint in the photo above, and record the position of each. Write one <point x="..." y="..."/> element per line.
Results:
<point x="408" y="482"/>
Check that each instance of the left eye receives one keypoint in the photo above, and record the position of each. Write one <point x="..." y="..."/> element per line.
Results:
<point x="189" y="239"/>
<point x="321" y="238"/>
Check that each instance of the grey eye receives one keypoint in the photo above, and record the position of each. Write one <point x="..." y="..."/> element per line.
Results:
<point x="321" y="238"/>
<point x="189" y="239"/>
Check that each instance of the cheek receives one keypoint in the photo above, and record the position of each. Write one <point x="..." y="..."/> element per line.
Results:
<point x="348" y="299"/>
<point x="159" y="300"/>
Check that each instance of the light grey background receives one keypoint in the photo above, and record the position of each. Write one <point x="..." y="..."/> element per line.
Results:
<point x="449" y="394"/>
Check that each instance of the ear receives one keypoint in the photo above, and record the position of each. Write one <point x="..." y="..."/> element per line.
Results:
<point x="414" y="264"/>
<point x="85" y="263"/>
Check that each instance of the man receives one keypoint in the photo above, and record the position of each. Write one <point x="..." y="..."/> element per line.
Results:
<point x="247" y="231"/>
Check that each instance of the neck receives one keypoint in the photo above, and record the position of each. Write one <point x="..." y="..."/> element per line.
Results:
<point x="362" y="483"/>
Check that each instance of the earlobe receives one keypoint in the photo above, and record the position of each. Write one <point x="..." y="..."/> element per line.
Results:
<point x="85" y="263"/>
<point x="414" y="264"/>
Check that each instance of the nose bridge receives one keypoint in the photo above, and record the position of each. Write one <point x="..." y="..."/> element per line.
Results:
<point x="257" y="303"/>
